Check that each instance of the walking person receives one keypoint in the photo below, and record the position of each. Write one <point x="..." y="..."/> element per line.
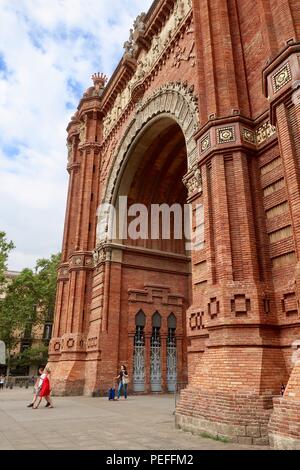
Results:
<point x="2" y="380"/>
<point x="123" y="379"/>
<point x="45" y="391"/>
<point x="37" y="387"/>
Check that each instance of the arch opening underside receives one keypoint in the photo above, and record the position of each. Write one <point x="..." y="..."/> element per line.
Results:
<point x="155" y="272"/>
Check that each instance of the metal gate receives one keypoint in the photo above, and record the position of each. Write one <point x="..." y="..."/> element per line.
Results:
<point x="155" y="366"/>
<point x="171" y="361"/>
<point x="139" y="361"/>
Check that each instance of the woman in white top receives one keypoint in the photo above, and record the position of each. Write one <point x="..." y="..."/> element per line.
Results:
<point x="37" y="386"/>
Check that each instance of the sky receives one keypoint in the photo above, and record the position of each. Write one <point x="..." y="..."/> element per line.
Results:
<point x="48" y="53"/>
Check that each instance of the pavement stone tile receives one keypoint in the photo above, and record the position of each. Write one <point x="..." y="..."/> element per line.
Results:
<point x="141" y="423"/>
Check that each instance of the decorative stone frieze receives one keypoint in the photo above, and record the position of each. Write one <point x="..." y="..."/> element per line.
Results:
<point x="236" y="134"/>
<point x="281" y="77"/>
<point x="102" y="253"/>
<point x="63" y="272"/>
<point x="193" y="181"/>
<point x="148" y="57"/>
<point x="226" y="135"/>
<point x="205" y="143"/>
<point x="83" y="130"/>
<point x="80" y="261"/>
<point x="248" y="135"/>
<point x="264" y="132"/>
<point x="73" y="342"/>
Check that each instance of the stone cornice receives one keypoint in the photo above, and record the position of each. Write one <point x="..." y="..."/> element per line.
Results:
<point x="88" y="146"/>
<point x="89" y="104"/>
<point x="117" y="83"/>
<point x="73" y="167"/>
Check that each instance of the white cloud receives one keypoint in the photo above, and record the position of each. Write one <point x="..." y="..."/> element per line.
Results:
<point x="48" y="52"/>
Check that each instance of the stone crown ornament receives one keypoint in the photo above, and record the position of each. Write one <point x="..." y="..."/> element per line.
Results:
<point x="99" y="80"/>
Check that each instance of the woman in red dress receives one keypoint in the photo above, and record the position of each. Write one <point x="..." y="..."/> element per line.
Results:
<point x="45" y="390"/>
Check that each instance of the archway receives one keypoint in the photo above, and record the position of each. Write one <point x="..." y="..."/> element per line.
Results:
<point x="174" y="100"/>
<point x="156" y="266"/>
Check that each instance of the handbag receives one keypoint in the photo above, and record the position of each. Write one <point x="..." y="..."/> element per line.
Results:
<point x="125" y="380"/>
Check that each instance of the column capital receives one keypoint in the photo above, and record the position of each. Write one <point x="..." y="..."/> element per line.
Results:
<point x="81" y="260"/>
<point x="233" y="133"/>
<point x="63" y="272"/>
<point x="193" y="181"/>
<point x="281" y="77"/>
<point x="89" y="146"/>
<point x="102" y="254"/>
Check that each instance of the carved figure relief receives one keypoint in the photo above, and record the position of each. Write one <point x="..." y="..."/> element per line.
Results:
<point x="183" y="55"/>
<point x="82" y="130"/>
<point x="146" y="60"/>
<point x="70" y="152"/>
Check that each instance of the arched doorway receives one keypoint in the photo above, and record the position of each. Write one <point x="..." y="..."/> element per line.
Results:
<point x="156" y="272"/>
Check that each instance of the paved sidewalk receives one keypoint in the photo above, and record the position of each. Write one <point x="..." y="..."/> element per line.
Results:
<point x="142" y="422"/>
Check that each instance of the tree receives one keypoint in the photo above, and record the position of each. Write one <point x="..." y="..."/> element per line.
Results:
<point x="34" y="356"/>
<point x="46" y="270"/>
<point x="5" y="248"/>
<point x="29" y="302"/>
<point x="18" y="311"/>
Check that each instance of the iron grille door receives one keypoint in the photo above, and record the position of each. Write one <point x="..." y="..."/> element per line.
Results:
<point x="171" y="361"/>
<point x="139" y="361"/>
<point x="155" y="372"/>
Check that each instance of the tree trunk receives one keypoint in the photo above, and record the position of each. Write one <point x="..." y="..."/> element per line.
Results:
<point x="8" y="365"/>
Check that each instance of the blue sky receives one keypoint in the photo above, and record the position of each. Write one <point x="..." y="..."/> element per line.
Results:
<point x="48" y="52"/>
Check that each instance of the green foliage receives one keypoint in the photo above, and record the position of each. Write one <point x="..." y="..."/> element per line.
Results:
<point x="29" y="302"/>
<point x="217" y="437"/>
<point x="35" y="356"/>
<point x="46" y="271"/>
<point x="5" y="248"/>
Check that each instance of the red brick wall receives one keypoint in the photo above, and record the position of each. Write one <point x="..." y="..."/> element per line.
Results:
<point x="240" y="308"/>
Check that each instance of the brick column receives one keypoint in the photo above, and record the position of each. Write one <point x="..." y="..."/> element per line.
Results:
<point x="282" y="87"/>
<point x="226" y="394"/>
<point x="75" y="276"/>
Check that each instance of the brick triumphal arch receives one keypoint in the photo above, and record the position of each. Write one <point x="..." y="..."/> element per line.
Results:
<point x="203" y="110"/>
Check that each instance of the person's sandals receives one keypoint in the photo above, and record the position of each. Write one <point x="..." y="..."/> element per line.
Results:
<point x="30" y="405"/>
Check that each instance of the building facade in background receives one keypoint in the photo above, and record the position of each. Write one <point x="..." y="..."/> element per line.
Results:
<point x="203" y="109"/>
